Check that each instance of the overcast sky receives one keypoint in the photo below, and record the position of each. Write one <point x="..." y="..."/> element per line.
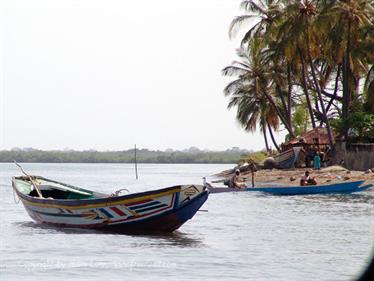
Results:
<point x="84" y="74"/>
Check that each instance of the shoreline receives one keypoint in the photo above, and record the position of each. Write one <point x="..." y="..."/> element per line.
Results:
<point x="329" y="175"/>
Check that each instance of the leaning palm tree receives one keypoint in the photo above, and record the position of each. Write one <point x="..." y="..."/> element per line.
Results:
<point x="250" y="93"/>
<point x="253" y="110"/>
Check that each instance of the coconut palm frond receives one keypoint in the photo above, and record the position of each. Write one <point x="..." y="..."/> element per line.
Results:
<point x="238" y="22"/>
<point x="233" y="71"/>
<point x="252" y="6"/>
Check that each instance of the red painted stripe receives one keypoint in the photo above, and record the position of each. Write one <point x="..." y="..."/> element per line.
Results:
<point x="138" y="202"/>
<point x="118" y="211"/>
<point x="151" y="213"/>
<point x="157" y="211"/>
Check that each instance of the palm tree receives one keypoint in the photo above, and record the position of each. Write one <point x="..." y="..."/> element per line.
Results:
<point x="297" y="35"/>
<point x="249" y="94"/>
<point x="320" y="48"/>
<point x="350" y="35"/>
<point x="285" y="43"/>
<point x="267" y="13"/>
<point x="264" y="11"/>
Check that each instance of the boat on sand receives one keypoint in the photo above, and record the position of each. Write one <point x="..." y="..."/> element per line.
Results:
<point x="288" y="158"/>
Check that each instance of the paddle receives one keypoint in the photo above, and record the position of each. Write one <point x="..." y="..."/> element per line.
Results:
<point x="30" y="178"/>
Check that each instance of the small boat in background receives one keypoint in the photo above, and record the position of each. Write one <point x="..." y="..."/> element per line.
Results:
<point x="288" y="158"/>
<point x="345" y="187"/>
<point x="62" y="205"/>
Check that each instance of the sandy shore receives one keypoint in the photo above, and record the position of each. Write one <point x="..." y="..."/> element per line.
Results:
<point x="333" y="174"/>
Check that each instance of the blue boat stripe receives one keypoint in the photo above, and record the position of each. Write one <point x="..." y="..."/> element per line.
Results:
<point x="151" y="208"/>
<point x="58" y="215"/>
<point x="106" y="213"/>
<point x="144" y="205"/>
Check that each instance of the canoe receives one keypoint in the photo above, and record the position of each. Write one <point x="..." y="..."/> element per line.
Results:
<point x="62" y="205"/>
<point x="346" y="187"/>
<point x="288" y="158"/>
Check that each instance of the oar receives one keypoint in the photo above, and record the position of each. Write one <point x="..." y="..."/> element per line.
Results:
<point x="32" y="181"/>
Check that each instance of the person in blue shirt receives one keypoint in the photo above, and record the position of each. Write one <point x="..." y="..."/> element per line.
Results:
<point x="317" y="161"/>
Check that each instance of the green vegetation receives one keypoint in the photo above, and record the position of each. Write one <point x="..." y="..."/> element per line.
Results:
<point x="360" y="124"/>
<point x="300" y="119"/>
<point x="192" y="155"/>
<point x="303" y="64"/>
<point x="257" y="157"/>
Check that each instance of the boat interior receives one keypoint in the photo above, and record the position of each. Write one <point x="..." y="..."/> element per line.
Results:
<point x="53" y="190"/>
<point x="53" y="193"/>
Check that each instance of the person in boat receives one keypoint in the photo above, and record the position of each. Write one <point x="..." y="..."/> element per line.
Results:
<point x="307" y="179"/>
<point x="235" y="181"/>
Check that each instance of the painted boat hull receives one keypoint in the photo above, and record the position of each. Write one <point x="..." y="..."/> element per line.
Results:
<point x="165" y="223"/>
<point x="157" y="211"/>
<point x="347" y="187"/>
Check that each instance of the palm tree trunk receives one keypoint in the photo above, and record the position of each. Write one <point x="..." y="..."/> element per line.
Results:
<point x="329" y="132"/>
<point x="279" y="91"/>
<point x="304" y="82"/>
<point x="335" y="89"/>
<point x="345" y="90"/>
<point x="265" y="137"/>
<point x="272" y="137"/>
<point x="289" y="109"/>
<point x="279" y="113"/>
<point x="346" y="80"/>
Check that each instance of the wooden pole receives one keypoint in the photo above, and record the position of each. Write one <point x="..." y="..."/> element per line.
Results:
<point x="136" y="164"/>
<point x="31" y="180"/>
<point x="253" y="178"/>
<point x="253" y="174"/>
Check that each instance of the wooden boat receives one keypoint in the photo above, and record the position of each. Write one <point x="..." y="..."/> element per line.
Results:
<point x="288" y="158"/>
<point x="63" y="205"/>
<point x="345" y="187"/>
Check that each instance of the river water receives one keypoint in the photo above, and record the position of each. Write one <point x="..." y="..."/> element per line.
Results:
<point x="243" y="236"/>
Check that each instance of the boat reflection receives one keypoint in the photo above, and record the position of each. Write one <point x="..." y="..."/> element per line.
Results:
<point x="176" y="238"/>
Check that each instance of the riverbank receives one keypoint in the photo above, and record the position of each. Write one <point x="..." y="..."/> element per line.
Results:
<point x="329" y="175"/>
<point x="192" y="155"/>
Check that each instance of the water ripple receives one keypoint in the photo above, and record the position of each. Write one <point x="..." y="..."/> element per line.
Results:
<point x="243" y="236"/>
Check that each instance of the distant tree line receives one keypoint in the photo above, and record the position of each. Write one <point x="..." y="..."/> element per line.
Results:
<point x="192" y="155"/>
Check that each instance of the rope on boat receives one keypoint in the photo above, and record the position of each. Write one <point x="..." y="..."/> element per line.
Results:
<point x="117" y="192"/>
